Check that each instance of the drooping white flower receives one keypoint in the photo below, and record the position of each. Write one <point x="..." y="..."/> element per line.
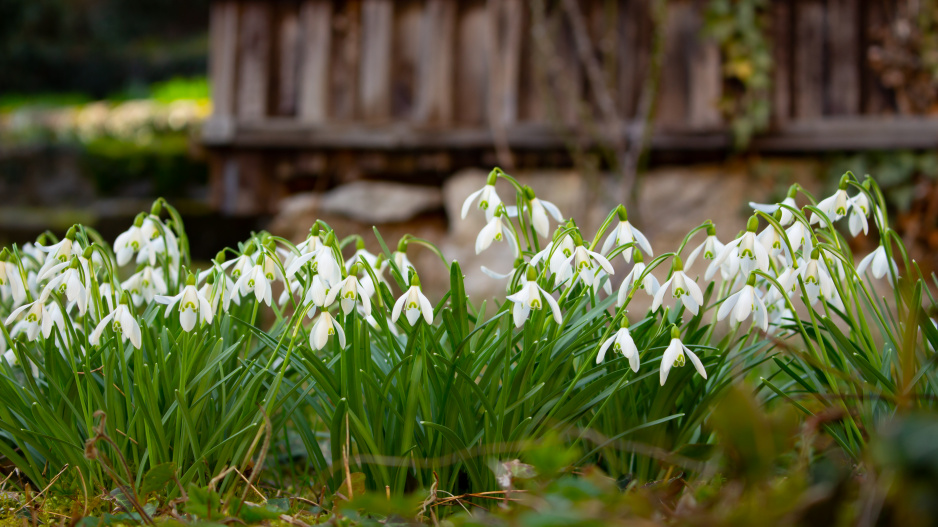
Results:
<point x="786" y="214"/>
<point x="68" y="283"/>
<point x="496" y="230"/>
<point x="621" y="341"/>
<point x="403" y="263"/>
<point x="361" y="253"/>
<point x="709" y="248"/>
<point x="817" y="282"/>
<point x="743" y="303"/>
<point x="193" y="305"/>
<point x="674" y="356"/>
<point x="36" y="317"/>
<point x="859" y="210"/>
<point x="684" y="291"/>
<point x="10" y="277"/>
<point x="413" y="303"/>
<point x="60" y="252"/>
<point x="557" y="254"/>
<point x="324" y="327"/>
<point x="539" y="209"/>
<point x="529" y="297"/>
<point x="122" y="323"/>
<point x="130" y="241"/>
<point x="624" y="233"/>
<point x="879" y="264"/>
<point x="649" y="283"/>
<point x="800" y="237"/>
<point x="772" y="241"/>
<point x="259" y="278"/>
<point x="587" y="264"/>
<point x="316" y="294"/>
<point x="834" y="207"/>
<point x="488" y="198"/>
<point x="788" y="279"/>
<point x="744" y="253"/>
<point x="349" y="290"/>
<point x="145" y="285"/>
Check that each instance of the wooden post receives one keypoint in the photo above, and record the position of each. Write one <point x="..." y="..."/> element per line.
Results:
<point x="316" y="23"/>
<point x="472" y="65"/>
<point x="673" y="98"/>
<point x="223" y="31"/>
<point x="843" y="37"/>
<point x="253" y="80"/>
<point x="809" y="59"/>
<point x="375" y="77"/>
<point x="781" y="54"/>
<point x="436" y="68"/>
<point x="288" y="51"/>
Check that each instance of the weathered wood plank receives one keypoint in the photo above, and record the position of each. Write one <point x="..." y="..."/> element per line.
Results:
<point x="472" y="64"/>
<point x="506" y="18"/>
<point x="288" y="59"/>
<point x="435" y="71"/>
<point x="633" y="54"/>
<point x="223" y="35"/>
<point x="809" y="59"/>
<point x="316" y="23"/>
<point x="843" y="39"/>
<point x="375" y="77"/>
<point x="570" y="83"/>
<point x="408" y="16"/>
<point x="705" y="76"/>
<point x="255" y="56"/>
<point x="346" y="54"/>
<point x="674" y="97"/>
<point x="781" y="21"/>
<point x="876" y="99"/>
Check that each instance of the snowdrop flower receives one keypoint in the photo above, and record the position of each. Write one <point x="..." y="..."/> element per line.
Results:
<point x="788" y="279"/>
<point x="539" y="210"/>
<point x="218" y="287"/>
<point x="800" y="237"/>
<point x="529" y="297"/>
<point x="369" y="287"/>
<point x="743" y="254"/>
<point x="817" y="282"/>
<point x="122" y="323"/>
<point x="36" y="317"/>
<point x="402" y="262"/>
<point x="60" y="252"/>
<point x="323" y="328"/>
<point x="317" y="294"/>
<point x="786" y="214"/>
<point x="709" y="248"/>
<point x="488" y="198"/>
<point x="834" y="207"/>
<point x="588" y="264"/>
<point x="348" y="291"/>
<point x="557" y="254"/>
<point x="624" y="233"/>
<point x="193" y="306"/>
<point x="496" y="229"/>
<point x="674" y="356"/>
<point x="772" y="241"/>
<point x="621" y="341"/>
<point x="649" y="283"/>
<point x="510" y="275"/>
<point x="69" y="283"/>
<point x="145" y="284"/>
<point x="10" y="276"/>
<point x="859" y="210"/>
<point x="743" y="303"/>
<point x="162" y="242"/>
<point x="879" y="264"/>
<point x="130" y="241"/>
<point x="683" y="289"/>
<point x="413" y="303"/>
<point x="361" y="253"/>
<point x="258" y="279"/>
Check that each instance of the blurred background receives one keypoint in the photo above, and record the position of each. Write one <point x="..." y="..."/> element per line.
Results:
<point x="252" y="114"/>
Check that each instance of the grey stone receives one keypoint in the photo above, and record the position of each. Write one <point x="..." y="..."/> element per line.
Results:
<point x="378" y="202"/>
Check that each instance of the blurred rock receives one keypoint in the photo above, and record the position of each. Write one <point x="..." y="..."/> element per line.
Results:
<point x="379" y="202"/>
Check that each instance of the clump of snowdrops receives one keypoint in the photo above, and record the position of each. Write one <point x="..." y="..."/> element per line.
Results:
<point x="124" y="359"/>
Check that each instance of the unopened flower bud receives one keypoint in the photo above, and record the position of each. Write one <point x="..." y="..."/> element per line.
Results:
<point x="157" y="207"/>
<point x="753" y="224"/>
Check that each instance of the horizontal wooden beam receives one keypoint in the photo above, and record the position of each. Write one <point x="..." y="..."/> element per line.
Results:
<point x="797" y="136"/>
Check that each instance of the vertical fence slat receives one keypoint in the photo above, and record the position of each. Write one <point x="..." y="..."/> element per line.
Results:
<point x="346" y="54"/>
<point x="223" y="32"/>
<point x="472" y="64"/>
<point x="506" y="19"/>
<point x="253" y="74"/>
<point x="632" y="51"/>
<point x="809" y="59"/>
<point x="843" y="33"/>
<point x="876" y="98"/>
<point x="375" y="77"/>
<point x="288" y="51"/>
<point x="705" y="76"/>
<point x="673" y="97"/>
<point x="316" y="21"/>
<point x="781" y="20"/>
<point x="436" y="68"/>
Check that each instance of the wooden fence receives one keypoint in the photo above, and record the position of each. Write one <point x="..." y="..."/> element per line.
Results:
<point x="350" y="88"/>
